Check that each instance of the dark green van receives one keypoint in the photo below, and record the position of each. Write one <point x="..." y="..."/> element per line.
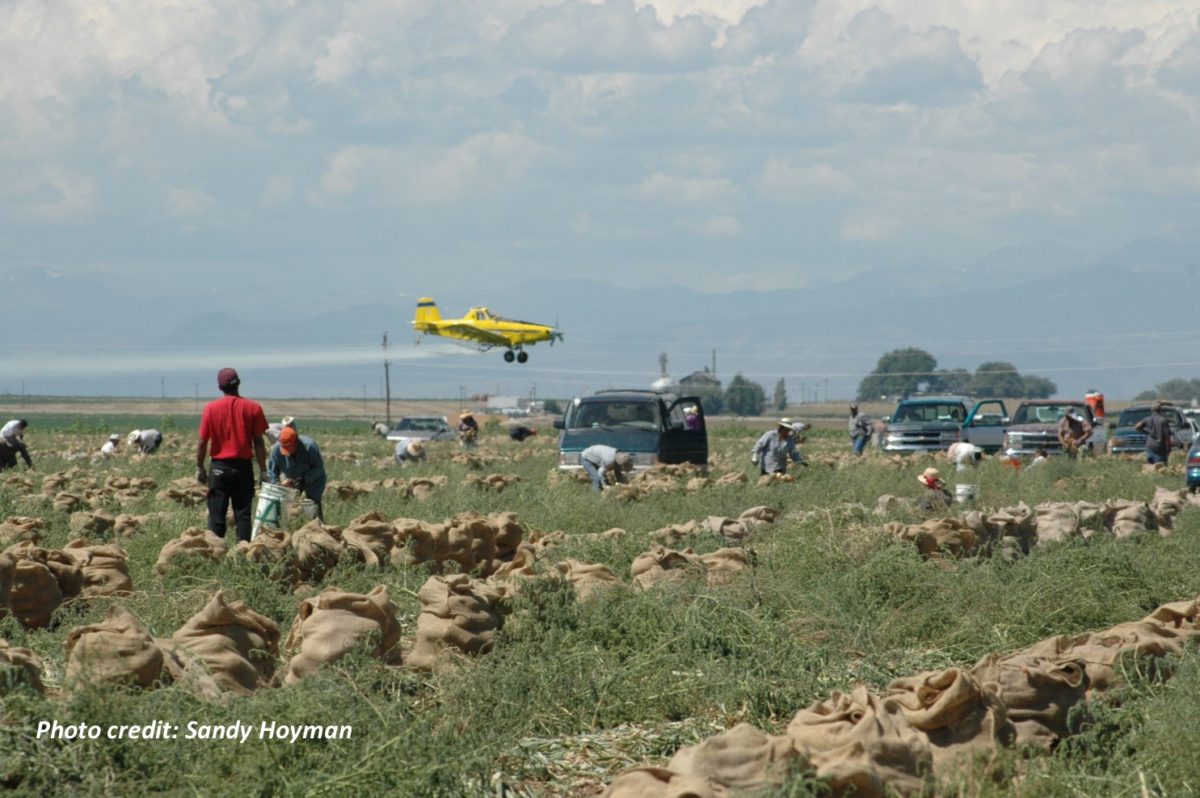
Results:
<point x="656" y="428"/>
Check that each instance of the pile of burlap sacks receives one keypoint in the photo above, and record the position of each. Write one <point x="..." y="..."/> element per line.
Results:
<point x="75" y="489"/>
<point x="927" y="726"/>
<point x="34" y="582"/>
<point x="419" y="488"/>
<point x="476" y="543"/>
<point x="1012" y="531"/>
<point x="736" y="529"/>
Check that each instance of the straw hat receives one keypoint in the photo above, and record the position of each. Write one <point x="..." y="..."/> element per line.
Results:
<point x="115" y="438"/>
<point x="930" y="475"/>
<point x="784" y="422"/>
<point x="288" y="421"/>
<point x="415" y="448"/>
<point x="466" y="414"/>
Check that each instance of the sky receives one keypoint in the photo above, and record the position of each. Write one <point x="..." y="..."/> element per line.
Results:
<point x="331" y="152"/>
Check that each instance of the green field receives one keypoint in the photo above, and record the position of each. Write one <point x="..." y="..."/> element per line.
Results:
<point x="575" y="692"/>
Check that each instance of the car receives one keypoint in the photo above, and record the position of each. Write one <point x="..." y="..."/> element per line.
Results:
<point x="1034" y="426"/>
<point x="1193" y="468"/>
<point x="649" y="425"/>
<point x="1127" y="440"/>
<point x="425" y="428"/>
<point x="932" y="423"/>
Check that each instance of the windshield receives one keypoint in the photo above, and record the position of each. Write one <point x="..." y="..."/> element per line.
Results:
<point x="930" y="411"/>
<point x="612" y="414"/>
<point x="420" y="424"/>
<point x="1045" y="414"/>
<point x="1133" y="415"/>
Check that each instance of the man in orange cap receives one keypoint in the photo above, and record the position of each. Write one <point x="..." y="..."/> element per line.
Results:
<point x="296" y="462"/>
<point x="232" y="429"/>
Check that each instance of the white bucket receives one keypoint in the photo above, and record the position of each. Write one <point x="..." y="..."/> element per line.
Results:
<point x="272" y="508"/>
<point x="965" y="493"/>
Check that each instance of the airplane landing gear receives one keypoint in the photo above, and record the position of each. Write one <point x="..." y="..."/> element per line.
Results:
<point x="522" y="357"/>
<point x="509" y="356"/>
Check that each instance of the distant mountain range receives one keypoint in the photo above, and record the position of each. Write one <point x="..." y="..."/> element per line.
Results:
<point x="1119" y="323"/>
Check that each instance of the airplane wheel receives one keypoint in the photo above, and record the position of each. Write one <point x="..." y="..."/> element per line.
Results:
<point x="509" y="356"/>
<point x="522" y="357"/>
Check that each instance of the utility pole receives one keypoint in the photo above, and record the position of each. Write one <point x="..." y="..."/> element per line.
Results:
<point x="162" y="386"/>
<point x="196" y="388"/>
<point x="387" y="382"/>
<point x="662" y="363"/>
<point x="714" y="368"/>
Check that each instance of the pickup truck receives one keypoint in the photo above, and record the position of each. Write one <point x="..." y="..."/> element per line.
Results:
<point x="1035" y="426"/>
<point x="932" y="423"/>
<point x="1127" y="440"/>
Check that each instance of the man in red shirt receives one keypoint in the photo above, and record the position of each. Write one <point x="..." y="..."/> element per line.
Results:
<point x="233" y="427"/>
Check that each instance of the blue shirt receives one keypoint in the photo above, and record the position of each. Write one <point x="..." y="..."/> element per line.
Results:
<point x="773" y="453"/>
<point x="304" y="466"/>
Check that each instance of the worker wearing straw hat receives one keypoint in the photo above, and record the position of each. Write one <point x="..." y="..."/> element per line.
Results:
<point x="773" y="449"/>
<point x="109" y="449"/>
<point x="295" y="462"/>
<point x="936" y="496"/>
<point x="410" y="450"/>
<point x="468" y="430"/>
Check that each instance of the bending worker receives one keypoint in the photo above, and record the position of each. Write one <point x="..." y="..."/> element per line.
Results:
<point x="147" y="440"/>
<point x="600" y="462"/>
<point x="772" y="450"/>
<point x="1073" y="433"/>
<point x="410" y="450"/>
<point x="295" y="462"/>
<point x="12" y="443"/>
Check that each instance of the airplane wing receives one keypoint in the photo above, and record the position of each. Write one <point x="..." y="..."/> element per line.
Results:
<point x="472" y="333"/>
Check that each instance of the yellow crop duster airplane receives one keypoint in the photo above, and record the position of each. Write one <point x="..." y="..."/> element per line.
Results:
<point x="484" y="330"/>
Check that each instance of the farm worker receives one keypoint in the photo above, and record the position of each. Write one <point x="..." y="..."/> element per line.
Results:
<point x="860" y="429"/>
<point x="468" y="430"/>
<point x="232" y="427"/>
<point x="600" y="461"/>
<point x="1039" y="457"/>
<point x="519" y="432"/>
<point x="1159" y="438"/>
<point x="273" y="430"/>
<point x="109" y="449"/>
<point x="772" y="450"/>
<point x="964" y="454"/>
<point x="12" y="443"/>
<point x="410" y="450"/>
<point x="148" y="440"/>
<point x="295" y="462"/>
<point x="691" y="418"/>
<point x="936" y="496"/>
<point x="379" y="428"/>
<point x="1073" y="432"/>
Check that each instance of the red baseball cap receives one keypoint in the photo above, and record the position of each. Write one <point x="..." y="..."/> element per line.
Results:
<point x="227" y="378"/>
<point x="289" y="440"/>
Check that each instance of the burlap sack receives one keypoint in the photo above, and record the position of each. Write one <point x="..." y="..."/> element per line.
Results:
<point x="660" y="565"/>
<point x="471" y="542"/>
<point x="1056" y="521"/>
<point x="1038" y="691"/>
<point x="767" y="480"/>
<point x="588" y="579"/>
<point x="651" y="782"/>
<point x="955" y="712"/>
<point x="237" y="645"/>
<point x="857" y="741"/>
<point x="728" y="528"/>
<point x="1165" y="505"/>
<point x="735" y="478"/>
<point x="509" y="533"/>
<point x="91" y="524"/>
<point x="66" y="502"/>
<point x="1129" y="517"/>
<point x="19" y="666"/>
<point x="697" y="484"/>
<point x="520" y="565"/>
<point x="951" y="536"/>
<point x="671" y="535"/>
<point x="192" y="543"/>
<point x="459" y="615"/>
<point x="887" y="504"/>
<point x="724" y="564"/>
<point x="493" y="482"/>
<point x="185" y="492"/>
<point x="19" y="528"/>
<point x="272" y="551"/>
<point x="741" y="758"/>
<point x="34" y="595"/>
<point x="371" y="537"/>
<point x="8" y="572"/>
<point x="334" y="623"/>
<point x="103" y="568"/>
<point x="118" y="650"/>
<point x="760" y="514"/>
<point x="317" y="550"/>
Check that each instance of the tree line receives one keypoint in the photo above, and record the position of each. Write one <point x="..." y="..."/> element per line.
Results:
<point x="1178" y="390"/>
<point x="910" y="370"/>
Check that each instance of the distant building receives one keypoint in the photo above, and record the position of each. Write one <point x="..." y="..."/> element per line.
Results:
<point x="699" y="381"/>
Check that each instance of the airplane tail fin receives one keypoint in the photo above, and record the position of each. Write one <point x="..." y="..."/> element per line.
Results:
<point x="427" y="311"/>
